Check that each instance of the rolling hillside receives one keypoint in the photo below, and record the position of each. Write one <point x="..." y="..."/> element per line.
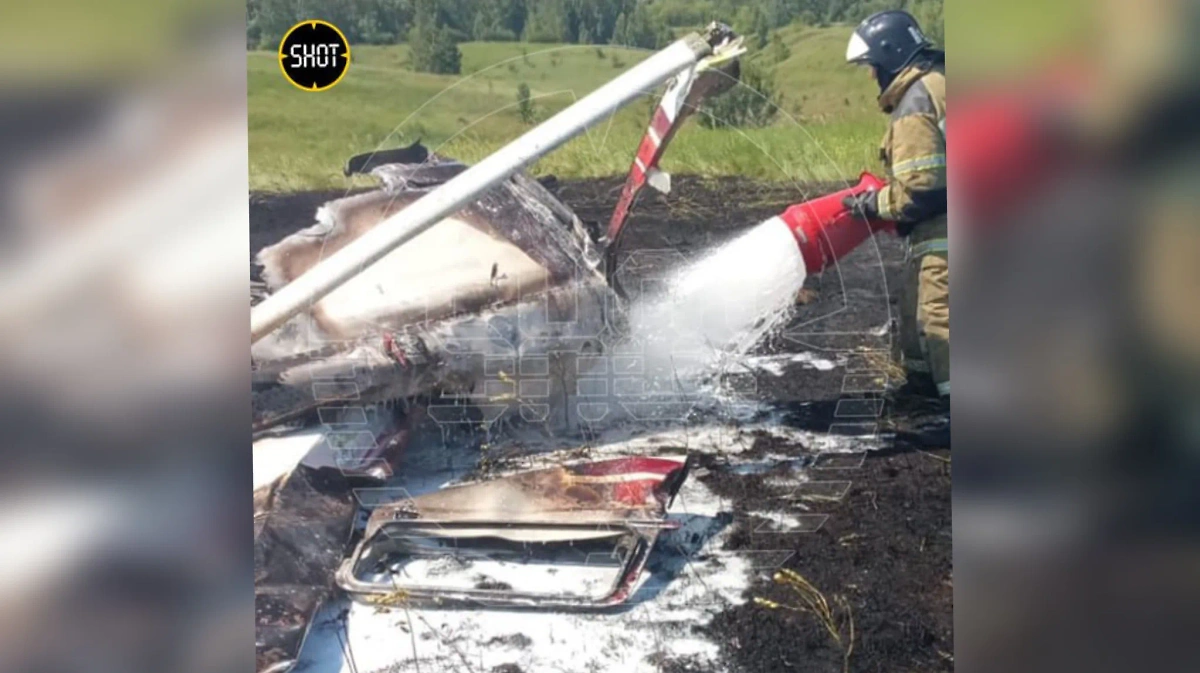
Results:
<point x="299" y="140"/>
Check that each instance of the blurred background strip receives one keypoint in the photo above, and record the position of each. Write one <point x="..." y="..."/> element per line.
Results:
<point x="123" y="378"/>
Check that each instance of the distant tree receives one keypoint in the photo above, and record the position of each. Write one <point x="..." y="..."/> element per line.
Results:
<point x="267" y="21"/>
<point x="779" y="50"/>
<point x="780" y="12"/>
<point x="640" y="29"/>
<point x="588" y="19"/>
<point x="742" y="18"/>
<point x="431" y="45"/>
<point x="664" y="36"/>
<point x="853" y="12"/>
<point x="496" y="20"/>
<point x="394" y="17"/>
<point x="456" y="15"/>
<point x="253" y="24"/>
<point x="618" y="36"/>
<point x="363" y="21"/>
<point x="481" y="27"/>
<point x="753" y="102"/>
<point x="929" y="13"/>
<point x="524" y="104"/>
<point x="762" y="30"/>
<point x="433" y="49"/>
<point x="546" y="21"/>
<point x="691" y="12"/>
<point x="366" y="26"/>
<point x="513" y="14"/>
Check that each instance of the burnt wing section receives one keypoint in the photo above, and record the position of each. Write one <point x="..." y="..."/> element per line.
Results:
<point x="520" y="209"/>
<point x="523" y="212"/>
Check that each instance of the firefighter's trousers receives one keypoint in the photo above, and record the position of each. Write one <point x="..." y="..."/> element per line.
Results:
<point x="925" y="304"/>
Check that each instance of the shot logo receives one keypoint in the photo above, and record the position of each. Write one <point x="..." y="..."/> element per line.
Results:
<point x="314" y="55"/>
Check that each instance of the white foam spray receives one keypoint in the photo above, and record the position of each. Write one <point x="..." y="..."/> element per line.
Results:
<point x="723" y="303"/>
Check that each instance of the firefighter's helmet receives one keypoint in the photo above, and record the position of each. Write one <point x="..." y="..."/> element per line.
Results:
<point x="889" y="41"/>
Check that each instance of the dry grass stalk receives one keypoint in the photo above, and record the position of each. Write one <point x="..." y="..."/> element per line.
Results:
<point x="812" y="601"/>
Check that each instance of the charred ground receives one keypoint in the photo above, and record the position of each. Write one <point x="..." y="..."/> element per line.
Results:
<point x="885" y="548"/>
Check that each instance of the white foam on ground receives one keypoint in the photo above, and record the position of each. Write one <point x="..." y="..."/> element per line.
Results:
<point x="273" y="457"/>
<point x="777" y="365"/>
<point x="779" y="520"/>
<point x="658" y="624"/>
<point x="715" y="438"/>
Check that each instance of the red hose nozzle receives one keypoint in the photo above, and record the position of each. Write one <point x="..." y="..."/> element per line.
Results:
<point x="826" y="230"/>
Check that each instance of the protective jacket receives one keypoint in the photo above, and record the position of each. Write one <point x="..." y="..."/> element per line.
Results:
<point x="913" y="150"/>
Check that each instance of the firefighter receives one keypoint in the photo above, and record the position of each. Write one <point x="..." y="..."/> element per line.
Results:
<point x="911" y="76"/>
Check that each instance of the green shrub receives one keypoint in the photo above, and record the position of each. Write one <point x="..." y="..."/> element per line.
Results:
<point x="753" y="102"/>
<point x="524" y="104"/>
<point x="433" y="49"/>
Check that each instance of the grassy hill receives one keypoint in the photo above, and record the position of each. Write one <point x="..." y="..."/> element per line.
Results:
<point x="817" y="84"/>
<point x="299" y="140"/>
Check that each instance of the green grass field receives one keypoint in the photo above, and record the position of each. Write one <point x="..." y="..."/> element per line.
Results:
<point x="299" y="140"/>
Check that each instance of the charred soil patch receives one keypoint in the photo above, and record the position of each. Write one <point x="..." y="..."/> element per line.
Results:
<point x="885" y="549"/>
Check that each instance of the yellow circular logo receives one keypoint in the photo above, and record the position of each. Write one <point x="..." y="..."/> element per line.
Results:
<point x="314" y="55"/>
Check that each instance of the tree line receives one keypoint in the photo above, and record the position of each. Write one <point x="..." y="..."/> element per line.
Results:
<point x="648" y="24"/>
<point x="433" y="29"/>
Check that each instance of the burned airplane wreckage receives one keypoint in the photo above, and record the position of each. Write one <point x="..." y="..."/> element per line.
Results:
<point x="445" y="282"/>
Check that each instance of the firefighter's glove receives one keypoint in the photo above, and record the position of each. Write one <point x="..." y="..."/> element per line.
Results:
<point x="864" y="206"/>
